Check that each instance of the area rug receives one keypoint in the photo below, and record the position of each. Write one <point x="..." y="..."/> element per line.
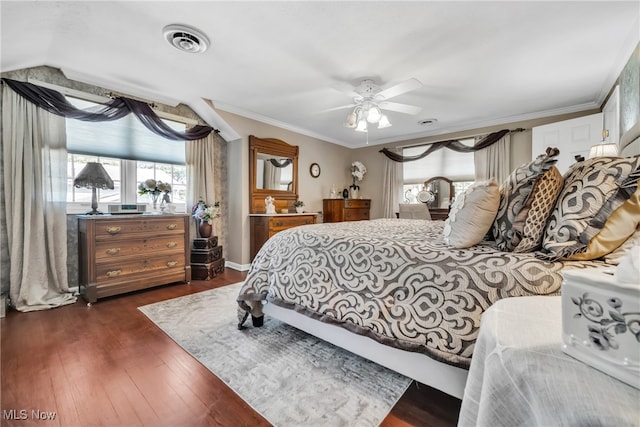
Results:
<point x="290" y="377"/>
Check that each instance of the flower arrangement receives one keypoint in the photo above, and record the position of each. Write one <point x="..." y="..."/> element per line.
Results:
<point x="298" y="203"/>
<point x="206" y="213"/>
<point x="151" y="186"/>
<point x="357" y="172"/>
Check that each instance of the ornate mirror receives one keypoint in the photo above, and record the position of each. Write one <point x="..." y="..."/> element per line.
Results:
<point x="438" y="192"/>
<point x="273" y="171"/>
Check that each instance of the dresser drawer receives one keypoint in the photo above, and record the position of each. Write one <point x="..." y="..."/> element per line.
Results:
<point x="115" y="248"/>
<point x="116" y="271"/>
<point x="282" y="223"/>
<point x="356" y="214"/>
<point x="128" y="227"/>
<point x="357" y="203"/>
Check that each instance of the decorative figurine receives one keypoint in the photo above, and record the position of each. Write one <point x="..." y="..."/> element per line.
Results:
<point x="271" y="205"/>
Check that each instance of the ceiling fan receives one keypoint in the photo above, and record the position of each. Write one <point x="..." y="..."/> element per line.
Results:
<point x="369" y="100"/>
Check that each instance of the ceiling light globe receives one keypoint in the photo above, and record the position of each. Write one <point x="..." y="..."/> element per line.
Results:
<point x="374" y="114"/>
<point x="384" y="122"/>
<point x="362" y="126"/>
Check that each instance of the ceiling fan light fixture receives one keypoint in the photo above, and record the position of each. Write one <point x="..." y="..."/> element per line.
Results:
<point x="185" y="38"/>
<point x="374" y="114"/>
<point x="351" y="120"/>
<point x="384" y="122"/>
<point x="362" y="125"/>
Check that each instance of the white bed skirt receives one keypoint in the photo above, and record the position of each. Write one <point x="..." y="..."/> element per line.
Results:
<point x="418" y="366"/>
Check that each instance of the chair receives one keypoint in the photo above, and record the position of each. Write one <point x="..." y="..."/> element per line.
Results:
<point x="414" y="211"/>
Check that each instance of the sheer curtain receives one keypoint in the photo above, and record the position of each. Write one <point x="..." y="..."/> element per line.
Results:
<point x="34" y="163"/>
<point x="392" y="185"/>
<point x="494" y="161"/>
<point x="200" y="163"/>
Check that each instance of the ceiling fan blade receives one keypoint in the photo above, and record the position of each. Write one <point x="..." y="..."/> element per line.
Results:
<point x="338" y="108"/>
<point x="399" y="89"/>
<point x="400" y="108"/>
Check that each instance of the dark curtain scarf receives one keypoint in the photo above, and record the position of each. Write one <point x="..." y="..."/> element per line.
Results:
<point x="55" y="103"/>
<point x="282" y="164"/>
<point x="452" y="144"/>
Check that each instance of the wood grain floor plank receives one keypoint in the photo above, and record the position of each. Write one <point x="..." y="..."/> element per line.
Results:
<point x="108" y="365"/>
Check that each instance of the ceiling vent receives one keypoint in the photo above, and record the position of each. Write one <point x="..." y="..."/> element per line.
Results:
<point x="428" y="122"/>
<point x="186" y="39"/>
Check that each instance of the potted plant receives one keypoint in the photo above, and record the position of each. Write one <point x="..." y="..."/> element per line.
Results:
<point x="299" y="205"/>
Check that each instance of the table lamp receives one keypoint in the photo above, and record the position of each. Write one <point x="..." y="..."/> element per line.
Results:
<point x="93" y="176"/>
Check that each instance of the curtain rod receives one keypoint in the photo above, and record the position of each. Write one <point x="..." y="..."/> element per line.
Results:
<point x="423" y="144"/>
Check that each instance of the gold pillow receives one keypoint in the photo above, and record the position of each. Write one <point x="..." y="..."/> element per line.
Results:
<point x="619" y="226"/>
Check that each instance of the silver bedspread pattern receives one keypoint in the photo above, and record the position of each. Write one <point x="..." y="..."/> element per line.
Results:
<point x="395" y="281"/>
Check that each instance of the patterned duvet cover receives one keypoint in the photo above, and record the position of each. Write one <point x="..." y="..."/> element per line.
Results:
<point x="395" y="281"/>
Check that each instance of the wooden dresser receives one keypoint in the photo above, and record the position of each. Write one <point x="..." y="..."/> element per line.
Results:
<point x="264" y="226"/>
<point x="124" y="253"/>
<point x="339" y="210"/>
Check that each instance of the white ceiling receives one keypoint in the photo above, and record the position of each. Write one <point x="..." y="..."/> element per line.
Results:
<point x="481" y="63"/>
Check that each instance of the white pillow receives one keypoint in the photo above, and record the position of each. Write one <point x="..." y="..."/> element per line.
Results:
<point x="472" y="214"/>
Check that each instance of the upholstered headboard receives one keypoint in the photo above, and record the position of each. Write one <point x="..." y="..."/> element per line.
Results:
<point x="630" y="142"/>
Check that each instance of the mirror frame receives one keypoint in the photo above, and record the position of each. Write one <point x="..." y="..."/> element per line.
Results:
<point x="451" y="187"/>
<point x="284" y="198"/>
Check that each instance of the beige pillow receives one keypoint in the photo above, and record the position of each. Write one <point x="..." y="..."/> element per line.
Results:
<point x="615" y="256"/>
<point x="620" y="225"/>
<point x="472" y="214"/>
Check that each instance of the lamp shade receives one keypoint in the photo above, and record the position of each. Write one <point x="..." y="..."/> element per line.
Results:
<point x="603" y="150"/>
<point x="93" y="175"/>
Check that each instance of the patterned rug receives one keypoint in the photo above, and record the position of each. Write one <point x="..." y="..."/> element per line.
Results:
<point x="291" y="378"/>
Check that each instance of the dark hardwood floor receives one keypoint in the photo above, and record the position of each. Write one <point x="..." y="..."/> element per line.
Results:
<point x="108" y="365"/>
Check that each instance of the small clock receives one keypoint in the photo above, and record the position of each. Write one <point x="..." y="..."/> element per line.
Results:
<point x="314" y="170"/>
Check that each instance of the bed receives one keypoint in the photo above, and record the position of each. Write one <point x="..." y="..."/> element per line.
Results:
<point x="396" y="291"/>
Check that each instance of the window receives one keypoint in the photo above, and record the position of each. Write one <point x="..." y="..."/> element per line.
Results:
<point x="458" y="167"/>
<point x="130" y="154"/>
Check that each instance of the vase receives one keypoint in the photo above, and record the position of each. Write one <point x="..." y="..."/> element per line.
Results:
<point x="154" y="200"/>
<point x="299" y="209"/>
<point x="355" y="193"/>
<point x="205" y="229"/>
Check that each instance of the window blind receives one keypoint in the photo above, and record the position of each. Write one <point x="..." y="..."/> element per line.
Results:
<point x="448" y="163"/>
<point x="125" y="138"/>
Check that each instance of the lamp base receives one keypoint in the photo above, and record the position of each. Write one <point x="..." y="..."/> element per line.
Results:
<point x="95" y="213"/>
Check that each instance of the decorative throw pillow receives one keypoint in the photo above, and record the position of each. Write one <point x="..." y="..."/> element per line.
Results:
<point x="615" y="256"/>
<point x="620" y="225"/>
<point x="626" y="189"/>
<point x="514" y="192"/>
<point x="529" y="224"/>
<point x="588" y="185"/>
<point x="472" y="214"/>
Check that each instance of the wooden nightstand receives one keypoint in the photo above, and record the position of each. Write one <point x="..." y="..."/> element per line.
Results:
<point x="264" y="226"/>
<point x="339" y="210"/>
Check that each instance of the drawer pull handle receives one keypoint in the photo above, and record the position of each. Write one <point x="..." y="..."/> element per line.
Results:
<point x="114" y="273"/>
<point x="171" y="264"/>
<point x="279" y="224"/>
<point x="172" y="244"/>
<point x="113" y="251"/>
<point x="113" y="230"/>
<point x="172" y="226"/>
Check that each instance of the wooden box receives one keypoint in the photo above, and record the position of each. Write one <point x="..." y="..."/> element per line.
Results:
<point x="207" y="271"/>
<point x="203" y="256"/>
<point x="205" y="243"/>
